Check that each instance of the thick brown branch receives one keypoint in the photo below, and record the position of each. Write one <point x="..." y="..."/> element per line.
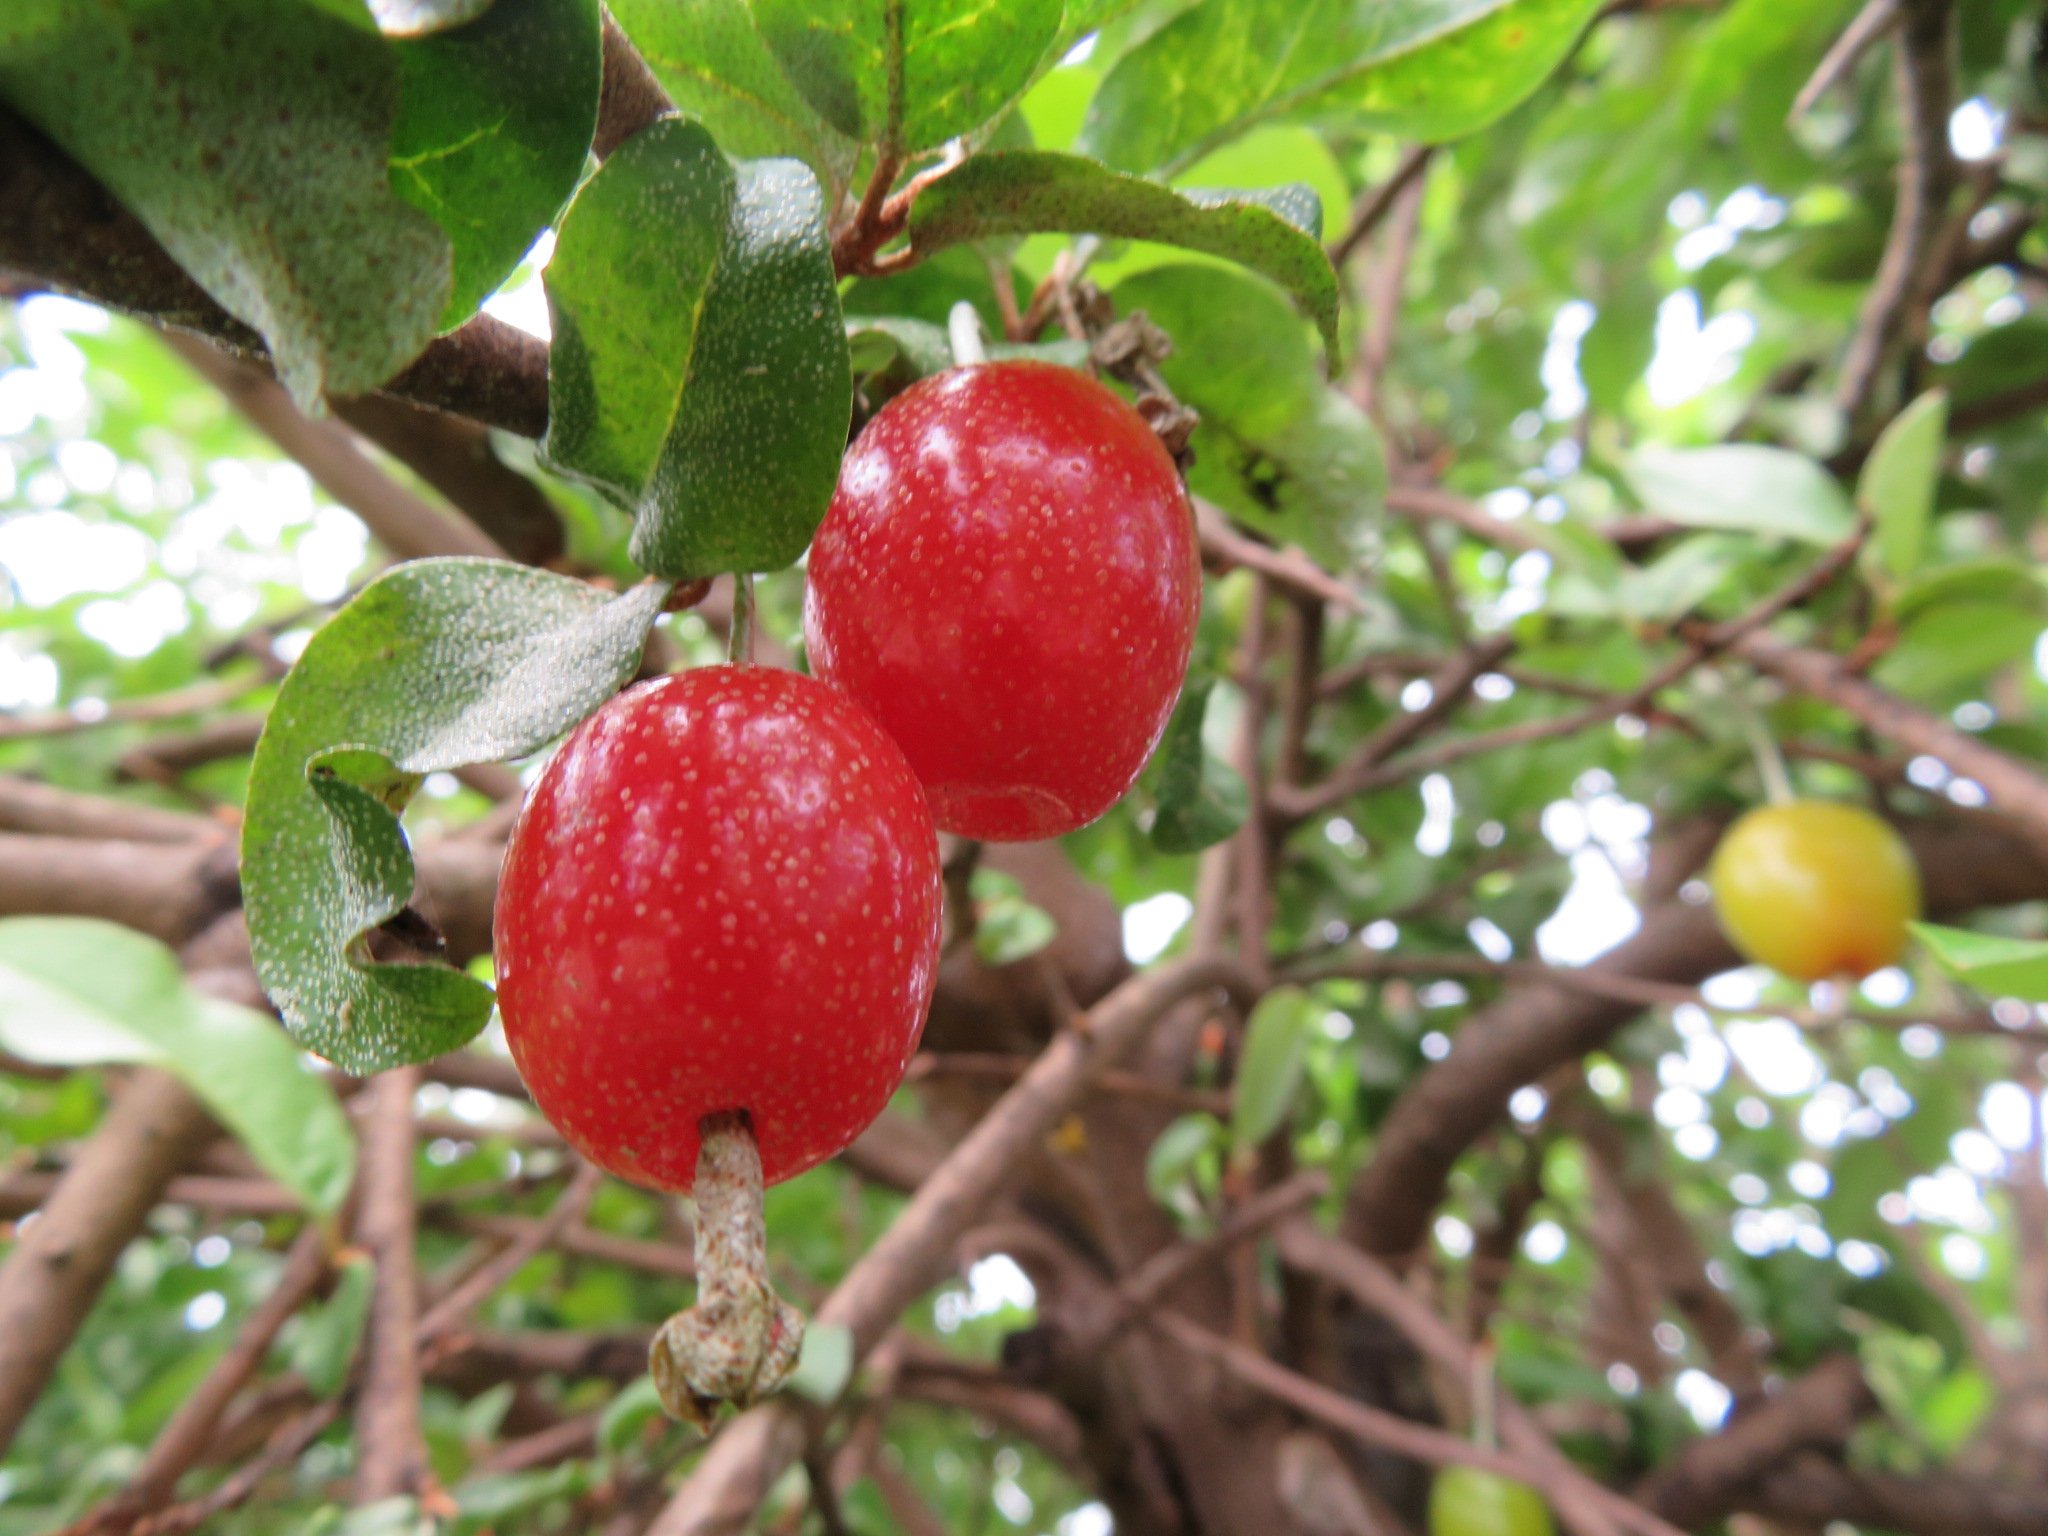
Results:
<point x="631" y="97"/>
<point x="54" y="1273"/>
<point x="1711" y="1476"/>
<point x="455" y="457"/>
<point x="1812" y="1492"/>
<point x="26" y="806"/>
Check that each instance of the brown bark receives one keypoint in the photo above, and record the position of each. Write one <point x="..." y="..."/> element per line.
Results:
<point x="61" y="1259"/>
<point x="390" y="1455"/>
<point x="1711" y="1476"/>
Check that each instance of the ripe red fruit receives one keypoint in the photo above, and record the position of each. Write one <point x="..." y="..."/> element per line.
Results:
<point x="722" y="894"/>
<point x="1008" y="579"/>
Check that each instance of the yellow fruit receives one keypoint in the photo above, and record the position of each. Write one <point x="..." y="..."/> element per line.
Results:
<point x="1815" y="890"/>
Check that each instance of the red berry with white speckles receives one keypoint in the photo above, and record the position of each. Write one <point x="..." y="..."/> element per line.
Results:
<point x="1008" y="580"/>
<point x="722" y="894"/>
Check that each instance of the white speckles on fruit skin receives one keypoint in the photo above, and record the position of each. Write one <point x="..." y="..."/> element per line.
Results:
<point x="789" y="853"/>
<point x="1008" y="579"/>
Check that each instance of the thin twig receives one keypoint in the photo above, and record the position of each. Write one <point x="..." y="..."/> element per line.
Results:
<point x="1373" y="208"/>
<point x="1926" y="172"/>
<point x="1870" y="24"/>
<point x="391" y="1455"/>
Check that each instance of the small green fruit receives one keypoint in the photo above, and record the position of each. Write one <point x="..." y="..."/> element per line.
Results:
<point x="1469" y="1501"/>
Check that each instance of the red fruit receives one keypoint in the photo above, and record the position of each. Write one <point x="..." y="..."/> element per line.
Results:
<point x="1008" y="580"/>
<point x="722" y="894"/>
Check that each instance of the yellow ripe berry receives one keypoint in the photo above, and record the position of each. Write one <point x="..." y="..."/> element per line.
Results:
<point x="1815" y="890"/>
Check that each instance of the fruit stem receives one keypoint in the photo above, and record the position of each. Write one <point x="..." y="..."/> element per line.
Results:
<point x="1484" y="1432"/>
<point x="963" y="332"/>
<point x="740" y="645"/>
<point x="1770" y="762"/>
<point x="740" y="1341"/>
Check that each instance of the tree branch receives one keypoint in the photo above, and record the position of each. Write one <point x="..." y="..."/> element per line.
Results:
<point x="2012" y="785"/>
<point x="1926" y="174"/>
<point x="408" y="525"/>
<point x="391" y="1456"/>
<point x="1710" y="1476"/>
<point x="59" y="1262"/>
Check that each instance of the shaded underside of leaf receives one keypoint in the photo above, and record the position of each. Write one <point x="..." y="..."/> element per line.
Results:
<point x="1277" y="448"/>
<point x="716" y="68"/>
<point x="494" y="124"/>
<point x="1198" y="799"/>
<point x="908" y="74"/>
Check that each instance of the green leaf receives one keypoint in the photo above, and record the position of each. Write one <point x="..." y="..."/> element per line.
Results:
<point x="1200" y="799"/>
<point x="1419" y="69"/>
<point x="699" y="373"/>
<point x="433" y="665"/>
<point x="324" y="1342"/>
<point x="1276" y="448"/>
<point x="1172" y="1158"/>
<point x="1269" y="1068"/>
<point x="1994" y="965"/>
<point x="292" y="225"/>
<point x="494" y="126"/>
<point x="76" y="991"/>
<point x="2000" y="579"/>
<point x="493" y="1499"/>
<point x="1745" y="487"/>
<point x="1958" y="646"/>
<point x="1274" y="232"/>
<point x="825" y="1363"/>
<point x="715" y="67"/>
<point x="627" y="1414"/>
<point x="1007" y="928"/>
<point x="1896" y="488"/>
<point x="1680" y="579"/>
<point x="908" y="76"/>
